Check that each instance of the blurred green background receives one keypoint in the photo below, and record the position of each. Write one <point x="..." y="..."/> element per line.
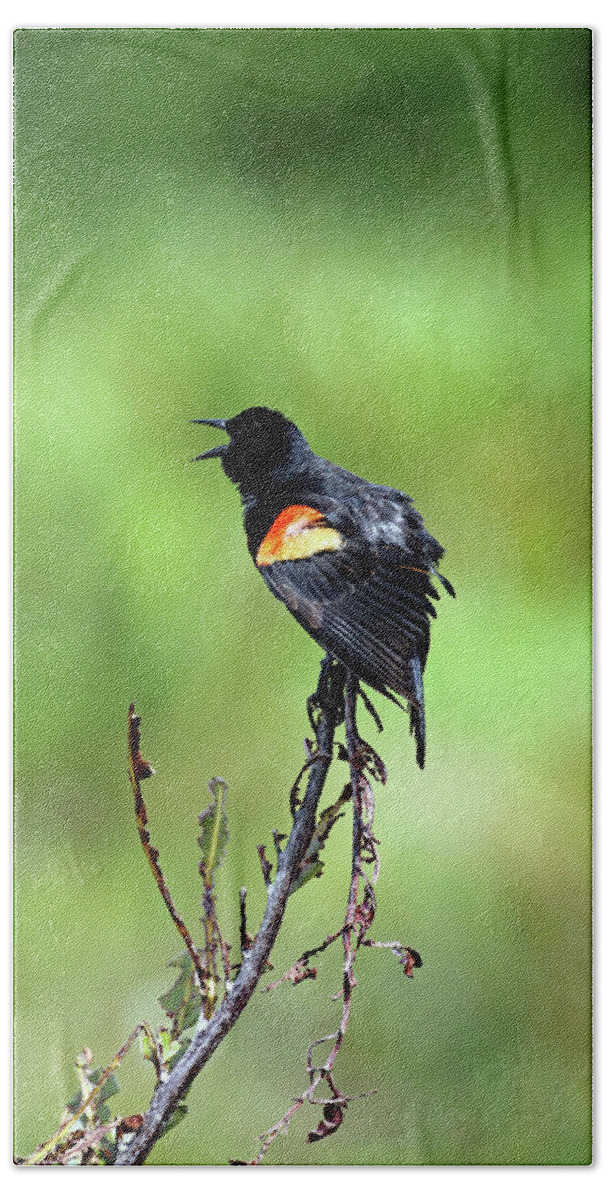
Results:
<point x="385" y="234"/>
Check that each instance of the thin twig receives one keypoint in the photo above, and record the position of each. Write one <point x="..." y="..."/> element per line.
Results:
<point x="357" y="922"/>
<point x="359" y="915"/>
<point x="140" y="769"/>
<point x="348" y="978"/>
<point x="57" y="1137"/>
<point x="244" y="936"/>
<point x="298" y="971"/>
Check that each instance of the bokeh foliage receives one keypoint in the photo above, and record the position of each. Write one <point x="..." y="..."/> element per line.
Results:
<point x="386" y="234"/>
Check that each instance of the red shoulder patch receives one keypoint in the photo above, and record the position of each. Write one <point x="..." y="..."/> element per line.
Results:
<point x="298" y="532"/>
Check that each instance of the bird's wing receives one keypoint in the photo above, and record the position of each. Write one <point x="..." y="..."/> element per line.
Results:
<point x="369" y="610"/>
<point x="365" y="598"/>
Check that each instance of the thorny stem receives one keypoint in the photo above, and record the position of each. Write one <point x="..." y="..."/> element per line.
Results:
<point x="348" y="979"/>
<point x="170" y="1093"/>
<point x="352" y="746"/>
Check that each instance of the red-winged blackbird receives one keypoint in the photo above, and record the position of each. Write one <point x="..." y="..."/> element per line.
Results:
<point x="352" y="560"/>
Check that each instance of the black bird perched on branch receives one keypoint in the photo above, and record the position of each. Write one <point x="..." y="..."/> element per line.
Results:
<point x="352" y="560"/>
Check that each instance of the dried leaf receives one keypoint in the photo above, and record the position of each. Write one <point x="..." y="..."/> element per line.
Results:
<point x="333" y="1116"/>
<point x="409" y="959"/>
<point x="130" y="1124"/>
<point x="366" y="759"/>
<point x="139" y="765"/>
<point x="266" y="865"/>
<point x="127" y="1129"/>
<point x="311" y="866"/>
<point x="374" y="764"/>
<point x="299" y="972"/>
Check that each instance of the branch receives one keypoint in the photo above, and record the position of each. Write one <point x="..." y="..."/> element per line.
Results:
<point x="169" y="1094"/>
<point x="140" y="769"/>
<point x="359" y="913"/>
<point x="363" y="761"/>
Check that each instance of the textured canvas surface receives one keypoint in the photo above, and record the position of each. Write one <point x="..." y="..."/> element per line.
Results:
<point x="385" y="234"/>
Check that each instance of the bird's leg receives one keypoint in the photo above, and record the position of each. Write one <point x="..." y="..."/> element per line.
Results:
<point x="359" y="752"/>
<point x="315" y="703"/>
<point x="371" y="708"/>
<point x="330" y="689"/>
<point x="329" y="697"/>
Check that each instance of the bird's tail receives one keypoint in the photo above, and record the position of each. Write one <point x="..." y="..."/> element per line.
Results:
<point x="416" y="709"/>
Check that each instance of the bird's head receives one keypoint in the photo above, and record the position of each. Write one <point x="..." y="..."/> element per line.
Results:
<point x="263" y="445"/>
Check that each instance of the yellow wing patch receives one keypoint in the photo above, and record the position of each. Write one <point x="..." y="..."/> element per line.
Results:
<point x="297" y="532"/>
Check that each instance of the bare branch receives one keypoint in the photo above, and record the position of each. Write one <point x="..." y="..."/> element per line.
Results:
<point x="169" y="1094"/>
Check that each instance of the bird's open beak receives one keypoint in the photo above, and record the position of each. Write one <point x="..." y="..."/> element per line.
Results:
<point x="216" y="451"/>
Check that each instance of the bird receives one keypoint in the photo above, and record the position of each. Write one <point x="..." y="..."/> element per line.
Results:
<point x="351" y="560"/>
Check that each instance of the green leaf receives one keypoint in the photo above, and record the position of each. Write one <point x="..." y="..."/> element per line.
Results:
<point x="182" y="1001"/>
<point x="98" y="1105"/>
<point x="75" y="1102"/>
<point x="175" y="1118"/>
<point x="213" y="837"/>
<point x="110" y="1088"/>
<point x="189" y="1014"/>
<point x="173" y="999"/>
<point x="168" y="1046"/>
<point x="148" y="1048"/>
<point x="107" y="1149"/>
<point x="308" y="871"/>
<point x="81" y="1123"/>
<point x="164" y="1041"/>
<point x="183" y="1044"/>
